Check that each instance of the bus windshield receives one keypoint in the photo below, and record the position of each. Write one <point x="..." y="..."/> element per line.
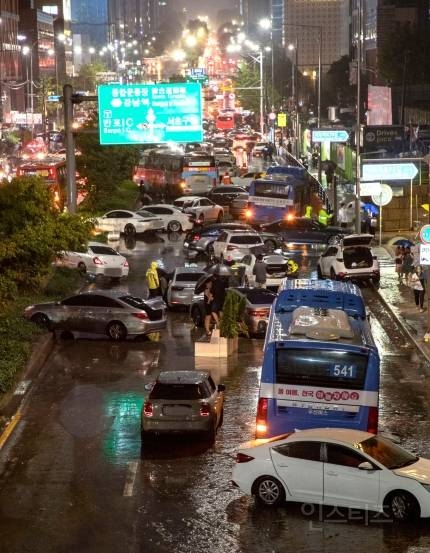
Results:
<point x="323" y="368"/>
<point x="271" y="189"/>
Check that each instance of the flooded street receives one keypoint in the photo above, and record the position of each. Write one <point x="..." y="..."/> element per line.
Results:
<point x="74" y="477"/>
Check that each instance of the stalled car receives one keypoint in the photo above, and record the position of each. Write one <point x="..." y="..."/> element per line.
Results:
<point x="180" y="290"/>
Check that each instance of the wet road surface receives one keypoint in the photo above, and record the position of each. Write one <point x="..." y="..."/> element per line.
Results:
<point x="75" y="478"/>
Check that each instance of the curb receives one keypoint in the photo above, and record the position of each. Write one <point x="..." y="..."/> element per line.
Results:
<point x="13" y="402"/>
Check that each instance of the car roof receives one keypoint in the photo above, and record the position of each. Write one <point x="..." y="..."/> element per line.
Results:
<point x="189" y="270"/>
<point x="188" y="198"/>
<point x="344" y="435"/>
<point x="93" y="243"/>
<point x="182" y="377"/>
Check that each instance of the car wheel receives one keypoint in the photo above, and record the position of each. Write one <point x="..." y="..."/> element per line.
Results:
<point x="174" y="226"/>
<point x="42" y="320"/>
<point x="270" y="246"/>
<point x="82" y="267"/>
<point x="220" y="217"/>
<point x="269" y="491"/>
<point x="116" y="331"/>
<point x="333" y="274"/>
<point x="319" y="273"/>
<point x="402" y="506"/>
<point x="196" y="316"/>
<point x="129" y="230"/>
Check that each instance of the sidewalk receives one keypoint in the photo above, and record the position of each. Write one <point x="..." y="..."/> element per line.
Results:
<point x="400" y="300"/>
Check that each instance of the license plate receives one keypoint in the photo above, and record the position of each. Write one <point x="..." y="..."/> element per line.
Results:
<point x="186" y="244"/>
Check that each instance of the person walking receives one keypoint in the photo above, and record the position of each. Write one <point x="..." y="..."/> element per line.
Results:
<point x="342" y="215"/>
<point x="208" y="299"/>
<point x="417" y="283"/>
<point x="398" y="260"/>
<point x="407" y="265"/>
<point x="152" y="280"/>
<point x="219" y="291"/>
<point x="260" y="272"/>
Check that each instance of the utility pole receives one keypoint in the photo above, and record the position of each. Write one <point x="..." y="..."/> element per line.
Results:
<point x="358" y="121"/>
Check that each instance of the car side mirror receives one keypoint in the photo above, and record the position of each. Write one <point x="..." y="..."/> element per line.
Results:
<point x="148" y="387"/>
<point x="221" y="388"/>
<point x="365" y="465"/>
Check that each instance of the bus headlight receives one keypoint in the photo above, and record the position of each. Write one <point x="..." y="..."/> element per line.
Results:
<point x="183" y="184"/>
<point x="290" y="216"/>
<point x="248" y="214"/>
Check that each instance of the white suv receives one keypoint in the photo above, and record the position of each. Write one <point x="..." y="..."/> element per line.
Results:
<point x="232" y="245"/>
<point x="349" y="258"/>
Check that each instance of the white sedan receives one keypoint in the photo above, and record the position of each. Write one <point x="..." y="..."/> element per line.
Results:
<point x="96" y="259"/>
<point x="203" y="209"/>
<point x="128" y="222"/>
<point x="276" y="268"/>
<point x="174" y="220"/>
<point x="339" y="467"/>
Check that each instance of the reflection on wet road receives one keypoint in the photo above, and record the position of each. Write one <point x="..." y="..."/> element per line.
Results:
<point x="74" y="476"/>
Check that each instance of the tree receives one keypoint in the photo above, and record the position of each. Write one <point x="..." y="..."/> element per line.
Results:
<point x="32" y="232"/>
<point x="337" y="89"/>
<point x="248" y="77"/>
<point x="104" y="166"/>
<point x="406" y="45"/>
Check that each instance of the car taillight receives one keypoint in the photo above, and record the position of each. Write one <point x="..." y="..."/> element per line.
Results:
<point x="125" y="264"/>
<point x="243" y="458"/>
<point x="97" y="261"/>
<point x="372" y="421"/>
<point x="141" y="315"/>
<point x="258" y="312"/>
<point x="196" y="238"/>
<point x="261" y="423"/>
<point x="205" y="410"/>
<point x="148" y="409"/>
<point x="177" y="288"/>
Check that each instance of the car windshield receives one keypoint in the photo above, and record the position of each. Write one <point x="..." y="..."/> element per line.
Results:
<point x="188" y="277"/>
<point x="176" y="391"/>
<point x="387" y="452"/>
<point x="144" y="214"/>
<point x="103" y="250"/>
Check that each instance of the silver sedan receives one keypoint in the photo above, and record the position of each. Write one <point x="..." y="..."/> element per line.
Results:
<point x="116" y="316"/>
<point x="180" y="291"/>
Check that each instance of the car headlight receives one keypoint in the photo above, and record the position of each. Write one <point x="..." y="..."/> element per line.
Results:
<point x="426" y="487"/>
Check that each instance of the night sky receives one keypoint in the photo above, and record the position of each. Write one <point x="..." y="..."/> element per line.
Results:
<point x="204" y="7"/>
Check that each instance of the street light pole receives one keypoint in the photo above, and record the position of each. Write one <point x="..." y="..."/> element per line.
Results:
<point x="260" y="59"/>
<point x="357" y="130"/>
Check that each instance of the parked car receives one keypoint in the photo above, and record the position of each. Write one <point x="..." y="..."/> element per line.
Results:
<point x="198" y="241"/>
<point x="228" y="167"/>
<point x="245" y="180"/>
<point x="128" y="222"/>
<point x="239" y="205"/>
<point x="174" y="220"/>
<point x="339" y="467"/>
<point x="183" y="402"/>
<point x="277" y="268"/>
<point x="298" y="230"/>
<point x="232" y="245"/>
<point x="349" y="258"/>
<point x="116" y="315"/>
<point x="203" y="209"/>
<point x="180" y="290"/>
<point x="225" y="194"/>
<point x="95" y="259"/>
<point x="257" y="311"/>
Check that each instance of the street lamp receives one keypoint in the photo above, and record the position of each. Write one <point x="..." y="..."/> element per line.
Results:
<point x="266" y="24"/>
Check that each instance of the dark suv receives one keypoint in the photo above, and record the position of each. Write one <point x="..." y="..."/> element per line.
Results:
<point x="225" y="194"/>
<point x="183" y="402"/>
<point x="198" y="240"/>
<point x="299" y="230"/>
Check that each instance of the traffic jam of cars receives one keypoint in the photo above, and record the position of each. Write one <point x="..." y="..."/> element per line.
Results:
<point x="344" y="467"/>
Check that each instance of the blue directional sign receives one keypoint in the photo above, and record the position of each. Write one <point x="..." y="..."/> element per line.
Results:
<point x="388" y="171"/>
<point x="329" y="135"/>
<point x="150" y="113"/>
<point x="54" y="98"/>
<point x="425" y="234"/>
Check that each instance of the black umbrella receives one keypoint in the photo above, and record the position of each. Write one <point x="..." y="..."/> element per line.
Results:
<point x="220" y="269"/>
<point x="404" y="242"/>
<point x="201" y="283"/>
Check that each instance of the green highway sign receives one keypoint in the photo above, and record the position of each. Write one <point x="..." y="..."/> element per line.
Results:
<point x="149" y="113"/>
<point x="388" y="171"/>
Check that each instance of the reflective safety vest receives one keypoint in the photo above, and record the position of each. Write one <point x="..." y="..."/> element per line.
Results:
<point x="324" y="217"/>
<point x="308" y="212"/>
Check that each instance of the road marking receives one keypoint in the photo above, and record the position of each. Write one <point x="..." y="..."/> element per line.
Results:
<point x="155" y="359"/>
<point x="22" y="387"/>
<point x="131" y="477"/>
<point x="10" y="428"/>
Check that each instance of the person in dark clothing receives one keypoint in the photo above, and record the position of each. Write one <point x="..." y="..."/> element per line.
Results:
<point x="208" y="299"/>
<point x="219" y="290"/>
<point x="260" y="272"/>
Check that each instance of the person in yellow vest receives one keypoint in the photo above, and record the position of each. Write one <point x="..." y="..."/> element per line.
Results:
<point x="292" y="268"/>
<point x="152" y="280"/>
<point x="308" y="212"/>
<point x="323" y="217"/>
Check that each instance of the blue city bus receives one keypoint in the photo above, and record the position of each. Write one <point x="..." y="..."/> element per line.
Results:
<point x="320" y="364"/>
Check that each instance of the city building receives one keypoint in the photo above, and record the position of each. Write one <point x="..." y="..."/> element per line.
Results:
<point x="9" y="56"/>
